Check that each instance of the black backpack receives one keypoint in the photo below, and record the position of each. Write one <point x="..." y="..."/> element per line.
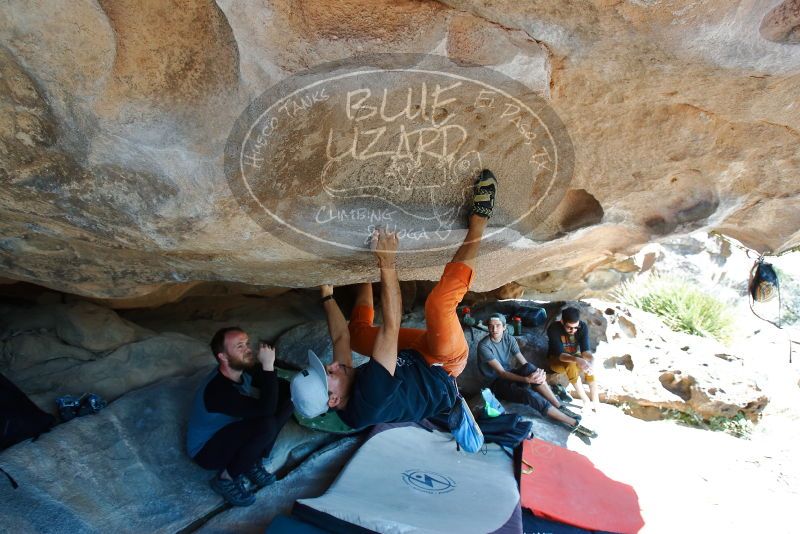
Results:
<point x="20" y="418"/>
<point x="764" y="286"/>
<point x="507" y="430"/>
<point x="764" y="283"/>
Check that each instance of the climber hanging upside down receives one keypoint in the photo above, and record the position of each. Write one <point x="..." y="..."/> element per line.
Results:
<point x="409" y="376"/>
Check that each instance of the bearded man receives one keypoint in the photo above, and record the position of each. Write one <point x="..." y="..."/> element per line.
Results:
<point x="238" y="411"/>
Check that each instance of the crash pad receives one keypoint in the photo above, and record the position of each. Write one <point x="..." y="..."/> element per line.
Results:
<point x="565" y="486"/>
<point x="409" y="479"/>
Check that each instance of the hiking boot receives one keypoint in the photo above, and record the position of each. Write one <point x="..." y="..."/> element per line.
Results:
<point x="259" y="476"/>
<point x="569" y="413"/>
<point x="583" y="431"/>
<point x="485" y="193"/>
<point x="233" y="491"/>
<point x="561" y="392"/>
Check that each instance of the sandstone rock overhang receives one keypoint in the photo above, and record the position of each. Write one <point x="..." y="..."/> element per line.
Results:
<point x="116" y="115"/>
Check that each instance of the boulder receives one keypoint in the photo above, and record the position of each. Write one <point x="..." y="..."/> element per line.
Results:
<point x="649" y="368"/>
<point x="262" y="317"/>
<point x="782" y="24"/>
<point x="30" y="350"/>
<point x="129" y="367"/>
<point x="116" y="117"/>
<point x="93" y="327"/>
<point x="534" y="344"/>
<point x="21" y="317"/>
<point x="28" y="358"/>
<point x="124" y="469"/>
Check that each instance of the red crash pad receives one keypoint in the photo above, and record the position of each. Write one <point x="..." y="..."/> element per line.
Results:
<point x="565" y="486"/>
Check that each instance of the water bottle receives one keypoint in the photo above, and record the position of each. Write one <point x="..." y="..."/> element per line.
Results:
<point x="467" y="318"/>
<point x="517" y="326"/>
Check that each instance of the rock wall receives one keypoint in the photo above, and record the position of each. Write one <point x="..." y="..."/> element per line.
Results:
<point x="648" y="369"/>
<point x="125" y="469"/>
<point x="51" y="348"/>
<point x="115" y="116"/>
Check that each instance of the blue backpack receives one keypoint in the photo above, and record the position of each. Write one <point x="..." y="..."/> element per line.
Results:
<point x="464" y="428"/>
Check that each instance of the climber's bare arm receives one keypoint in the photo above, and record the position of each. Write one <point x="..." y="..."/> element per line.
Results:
<point x="384" y="245"/>
<point x="337" y="327"/>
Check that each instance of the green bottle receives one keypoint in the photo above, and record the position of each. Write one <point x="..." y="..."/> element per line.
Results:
<point x="517" y="326"/>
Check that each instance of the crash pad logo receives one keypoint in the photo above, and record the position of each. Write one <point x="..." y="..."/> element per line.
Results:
<point x="428" y="481"/>
<point x="395" y="140"/>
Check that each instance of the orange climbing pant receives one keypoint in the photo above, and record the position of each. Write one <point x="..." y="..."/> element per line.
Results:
<point x="442" y="342"/>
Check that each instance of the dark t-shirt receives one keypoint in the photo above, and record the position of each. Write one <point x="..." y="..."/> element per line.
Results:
<point x="255" y="396"/>
<point x="220" y="402"/>
<point x="416" y="391"/>
<point x="561" y="342"/>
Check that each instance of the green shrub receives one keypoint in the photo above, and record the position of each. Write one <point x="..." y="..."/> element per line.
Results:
<point x="738" y="426"/>
<point x="689" y="418"/>
<point x="682" y="306"/>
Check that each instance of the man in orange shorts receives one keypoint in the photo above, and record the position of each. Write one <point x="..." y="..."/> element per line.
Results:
<point x="568" y="353"/>
<point x="410" y="374"/>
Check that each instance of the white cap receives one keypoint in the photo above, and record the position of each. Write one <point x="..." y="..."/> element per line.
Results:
<point x="310" y="388"/>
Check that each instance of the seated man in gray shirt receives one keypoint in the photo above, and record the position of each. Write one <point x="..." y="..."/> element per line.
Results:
<point x="498" y="356"/>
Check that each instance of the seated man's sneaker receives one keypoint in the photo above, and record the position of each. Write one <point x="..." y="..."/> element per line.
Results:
<point x="569" y="413"/>
<point x="233" y="491"/>
<point x="485" y="193"/>
<point x="259" y="476"/>
<point x="561" y="392"/>
<point x="583" y="431"/>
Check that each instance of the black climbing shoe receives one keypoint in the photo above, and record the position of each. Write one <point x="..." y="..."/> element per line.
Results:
<point x="583" y="431"/>
<point x="569" y="413"/>
<point x="561" y="392"/>
<point x="233" y="491"/>
<point x="259" y="476"/>
<point x="485" y="193"/>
